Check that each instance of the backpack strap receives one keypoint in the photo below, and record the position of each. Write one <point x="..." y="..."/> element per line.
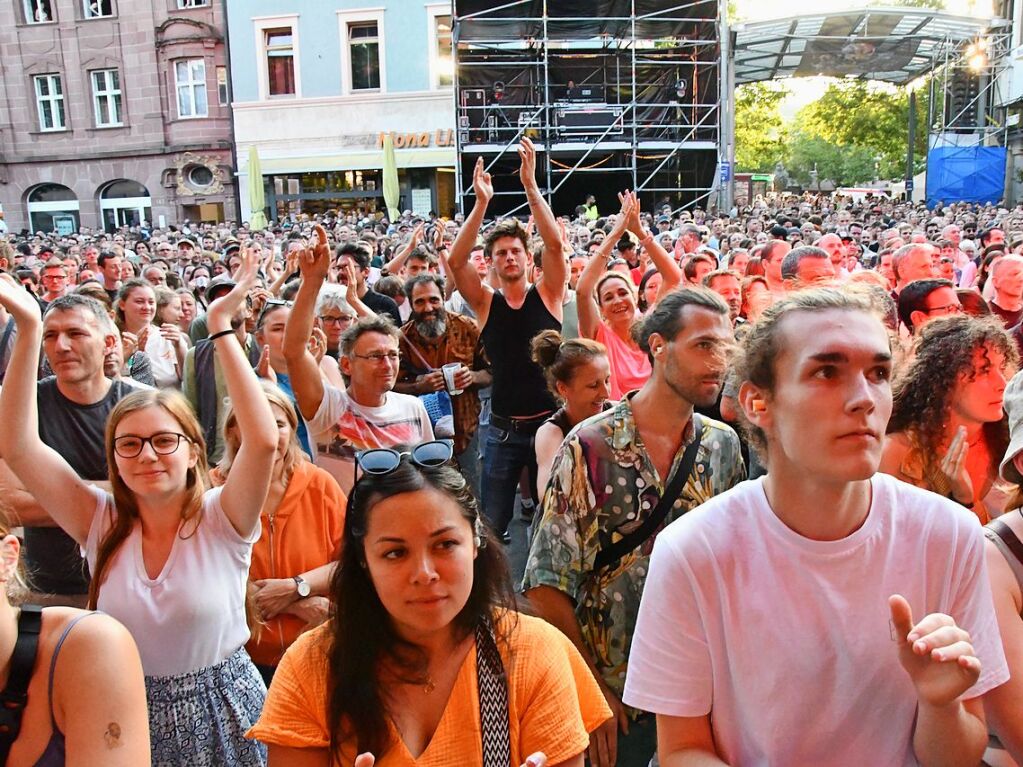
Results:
<point x="14" y="696"/>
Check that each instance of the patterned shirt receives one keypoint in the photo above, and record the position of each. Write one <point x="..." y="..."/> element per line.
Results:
<point x="602" y="487"/>
<point x="460" y="343"/>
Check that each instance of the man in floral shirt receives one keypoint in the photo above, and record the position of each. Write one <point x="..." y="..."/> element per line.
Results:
<point x="608" y="477"/>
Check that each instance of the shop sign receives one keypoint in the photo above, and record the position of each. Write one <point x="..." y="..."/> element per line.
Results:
<point x="439" y="137"/>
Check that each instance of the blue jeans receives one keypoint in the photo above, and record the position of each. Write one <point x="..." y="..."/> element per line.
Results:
<point x="507" y="453"/>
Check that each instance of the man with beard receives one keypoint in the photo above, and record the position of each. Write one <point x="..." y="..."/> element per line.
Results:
<point x="431" y="339"/>
<point x="617" y="479"/>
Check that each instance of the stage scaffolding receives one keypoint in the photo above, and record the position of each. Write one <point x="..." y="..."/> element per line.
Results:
<point x="615" y="94"/>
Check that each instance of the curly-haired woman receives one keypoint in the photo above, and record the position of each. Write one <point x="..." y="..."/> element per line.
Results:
<point x="947" y="433"/>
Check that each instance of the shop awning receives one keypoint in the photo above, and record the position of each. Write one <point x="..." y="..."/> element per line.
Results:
<point x="405" y="158"/>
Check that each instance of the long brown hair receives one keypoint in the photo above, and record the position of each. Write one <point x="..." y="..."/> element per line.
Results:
<point x="126" y="508"/>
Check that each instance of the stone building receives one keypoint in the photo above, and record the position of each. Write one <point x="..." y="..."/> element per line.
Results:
<point x="116" y="111"/>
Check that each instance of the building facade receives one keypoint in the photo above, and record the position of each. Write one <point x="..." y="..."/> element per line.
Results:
<point x="117" y="112"/>
<point x="317" y="85"/>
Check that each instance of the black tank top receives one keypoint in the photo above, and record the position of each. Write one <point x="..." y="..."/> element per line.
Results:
<point x="519" y="386"/>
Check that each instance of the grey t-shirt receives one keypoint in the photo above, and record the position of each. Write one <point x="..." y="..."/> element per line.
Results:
<point x="54" y="560"/>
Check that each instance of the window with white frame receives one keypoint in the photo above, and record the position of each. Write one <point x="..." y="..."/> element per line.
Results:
<point x="97" y="9"/>
<point x="106" y="97"/>
<point x="190" y="83"/>
<point x="279" y="47"/>
<point x="50" y="102"/>
<point x="222" y="93"/>
<point x="364" y="55"/>
<point x="38" y="11"/>
<point x="443" y="61"/>
<point x="182" y="4"/>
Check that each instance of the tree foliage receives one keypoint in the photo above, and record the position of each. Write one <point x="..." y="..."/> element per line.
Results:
<point x="759" y="128"/>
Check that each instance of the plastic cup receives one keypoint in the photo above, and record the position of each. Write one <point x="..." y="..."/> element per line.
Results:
<point x="449" y="372"/>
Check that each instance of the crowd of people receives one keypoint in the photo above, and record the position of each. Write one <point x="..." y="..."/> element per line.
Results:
<point x="355" y="491"/>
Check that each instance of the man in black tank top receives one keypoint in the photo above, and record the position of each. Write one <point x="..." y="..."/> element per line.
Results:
<point x="509" y="317"/>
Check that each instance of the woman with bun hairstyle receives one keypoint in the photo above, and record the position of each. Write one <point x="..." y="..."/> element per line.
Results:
<point x="579" y="375"/>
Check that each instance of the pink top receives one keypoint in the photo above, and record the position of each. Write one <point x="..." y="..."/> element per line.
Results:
<point x="630" y="367"/>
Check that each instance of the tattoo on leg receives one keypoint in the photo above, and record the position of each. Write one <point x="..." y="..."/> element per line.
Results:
<point x="113" y="735"/>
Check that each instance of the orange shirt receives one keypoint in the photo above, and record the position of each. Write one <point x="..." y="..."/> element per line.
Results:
<point x="304" y="534"/>
<point x="553" y="702"/>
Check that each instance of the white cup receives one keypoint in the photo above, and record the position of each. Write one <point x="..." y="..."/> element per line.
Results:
<point x="449" y="372"/>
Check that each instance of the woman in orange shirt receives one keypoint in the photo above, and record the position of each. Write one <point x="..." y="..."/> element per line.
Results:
<point x="425" y="643"/>
<point x="302" y="522"/>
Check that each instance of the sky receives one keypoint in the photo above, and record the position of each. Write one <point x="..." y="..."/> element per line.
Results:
<point x="804" y="90"/>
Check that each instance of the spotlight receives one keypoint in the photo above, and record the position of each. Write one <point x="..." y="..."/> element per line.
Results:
<point x="680" y="88"/>
<point x="498" y="90"/>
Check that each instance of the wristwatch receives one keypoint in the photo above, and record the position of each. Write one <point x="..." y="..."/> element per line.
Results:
<point x="302" y="586"/>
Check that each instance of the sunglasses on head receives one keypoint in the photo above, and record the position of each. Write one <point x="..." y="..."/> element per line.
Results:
<point x="383" y="460"/>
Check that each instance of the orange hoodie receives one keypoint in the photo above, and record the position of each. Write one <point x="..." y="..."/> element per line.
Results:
<point x="301" y="535"/>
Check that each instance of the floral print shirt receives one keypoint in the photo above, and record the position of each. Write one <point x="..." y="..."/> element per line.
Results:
<point x="602" y="487"/>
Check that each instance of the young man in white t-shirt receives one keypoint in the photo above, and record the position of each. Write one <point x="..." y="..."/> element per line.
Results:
<point x="776" y="624"/>
<point x="367" y="414"/>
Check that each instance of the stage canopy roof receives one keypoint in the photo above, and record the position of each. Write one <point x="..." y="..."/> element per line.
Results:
<point x="895" y="45"/>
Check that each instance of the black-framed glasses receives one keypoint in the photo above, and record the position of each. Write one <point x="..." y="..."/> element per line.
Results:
<point x="384" y="460"/>
<point x="342" y="320"/>
<point x="163" y="443"/>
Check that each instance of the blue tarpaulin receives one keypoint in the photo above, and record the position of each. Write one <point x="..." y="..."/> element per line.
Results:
<point x="965" y="174"/>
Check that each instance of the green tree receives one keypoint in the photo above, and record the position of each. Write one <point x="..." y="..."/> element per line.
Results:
<point x="844" y="165"/>
<point x="857" y="114"/>
<point x="759" y="128"/>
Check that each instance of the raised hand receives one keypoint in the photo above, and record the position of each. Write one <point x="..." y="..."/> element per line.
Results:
<point x="623" y="218"/>
<point x="527" y="170"/>
<point x="633" y="220"/>
<point x="935" y="652"/>
<point x="18" y="301"/>
<point x="438" y="236"/>
<point x="317" y="344"/>
<point x="417" y="236"/>
<point x="482" y="184"/>
<point x="953" y="467"/>
<point x="351" y="282"/>
<point x="263" y="368"/>
<point x="224" y="308"/>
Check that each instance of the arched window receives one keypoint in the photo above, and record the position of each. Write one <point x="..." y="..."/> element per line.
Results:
<point x="53" y="207"/>
<point x="124" y="203"/>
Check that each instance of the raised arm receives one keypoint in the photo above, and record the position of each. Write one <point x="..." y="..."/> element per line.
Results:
<point x="395" y="264"/>
<point x="246" y="488"/>
<point x="476" y="293"/>
<point x="303" y="371"/>
<point x="42" y="470"/>
<point x="555" y="271"/>
<point x="671" y="275"/>
<point x="352" y="293"/>
<point x="585" y="290"/>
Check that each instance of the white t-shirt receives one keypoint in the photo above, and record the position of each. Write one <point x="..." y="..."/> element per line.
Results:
<point x="787" y="642"/>
<point x="192" y="615"/>
<point x="346" y="427"/>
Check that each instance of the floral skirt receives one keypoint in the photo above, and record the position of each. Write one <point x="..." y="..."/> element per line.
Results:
<point x="199" y="719"/>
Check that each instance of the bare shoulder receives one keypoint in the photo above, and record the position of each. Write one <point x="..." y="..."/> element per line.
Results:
<point x="93" y="635"/>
